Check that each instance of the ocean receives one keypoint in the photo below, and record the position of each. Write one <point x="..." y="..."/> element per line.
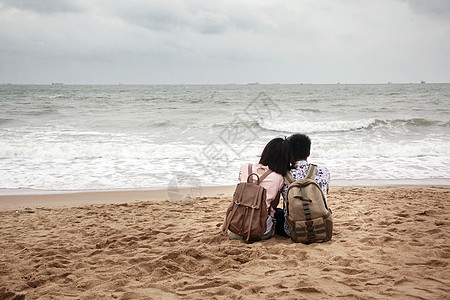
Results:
<point x="117" y="137"/>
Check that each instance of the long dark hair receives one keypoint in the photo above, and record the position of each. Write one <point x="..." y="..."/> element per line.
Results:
<point x="277" y="155"/>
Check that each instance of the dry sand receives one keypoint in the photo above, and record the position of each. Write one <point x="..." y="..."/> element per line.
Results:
<point x="389" y="242"/>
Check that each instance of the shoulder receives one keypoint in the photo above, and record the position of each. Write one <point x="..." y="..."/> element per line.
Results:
<point x="243" y="172"/>
<point x="300" y="168"/>
<point x="275" y="176"/>
<point x="273" y="181"/>
<point x="323" y="175"/>
<point x="245" y="166"/>
<point x="322" y="170"/>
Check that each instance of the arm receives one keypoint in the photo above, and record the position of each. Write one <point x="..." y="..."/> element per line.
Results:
<point x="276" y="201"/>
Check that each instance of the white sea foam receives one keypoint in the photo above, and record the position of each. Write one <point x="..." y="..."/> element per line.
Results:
<point x="293" y="126"/>
<point x="89" y="138"/>
<point x="66" y="166"/>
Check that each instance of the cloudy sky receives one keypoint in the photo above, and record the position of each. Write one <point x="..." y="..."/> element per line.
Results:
<point x="234" y="41"/>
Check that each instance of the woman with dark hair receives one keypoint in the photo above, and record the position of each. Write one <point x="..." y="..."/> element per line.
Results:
<point x="276" y="157"/>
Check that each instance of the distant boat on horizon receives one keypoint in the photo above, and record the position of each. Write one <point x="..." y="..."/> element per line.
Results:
<point x="422" y="82"/>
<point x="57" y="83"/>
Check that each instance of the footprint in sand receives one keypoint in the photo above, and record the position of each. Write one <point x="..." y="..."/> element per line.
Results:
<point x="307" y="290"/>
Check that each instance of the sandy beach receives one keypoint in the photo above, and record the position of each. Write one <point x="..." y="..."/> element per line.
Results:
<point x="389" y="242"/>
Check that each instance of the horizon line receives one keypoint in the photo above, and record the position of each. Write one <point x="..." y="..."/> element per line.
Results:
<point x="249" y="83"/>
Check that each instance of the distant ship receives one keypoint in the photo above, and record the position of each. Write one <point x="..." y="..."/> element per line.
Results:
<point x="57" y="83"/>
<point x="422" y="82"/>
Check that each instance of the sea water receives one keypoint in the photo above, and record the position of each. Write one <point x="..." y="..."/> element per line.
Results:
<point x="75" y="137"/>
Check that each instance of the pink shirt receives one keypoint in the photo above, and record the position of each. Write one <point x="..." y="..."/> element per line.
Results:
<point x="272" y="183"/>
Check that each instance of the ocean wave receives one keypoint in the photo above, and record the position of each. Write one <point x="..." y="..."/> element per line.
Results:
<point x="382" y="148"/>
<point x="314" y="127"/>
<point x="159" y="123"/>
<point x="59" y="96"/>
<point x="344" y="125"/>
<point x="106" y="150"/>
<point x="408" y="122"/>
<point x="308" y="110"/>
<point x="4" y="121"/>
<point x="46" y="110"/>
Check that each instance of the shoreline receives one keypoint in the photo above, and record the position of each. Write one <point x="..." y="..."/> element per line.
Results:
<point x="66" y="199"/>
<point x="335" y="183"/>
<point x="81" y="198"/>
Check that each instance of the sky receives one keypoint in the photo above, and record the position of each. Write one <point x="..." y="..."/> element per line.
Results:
<point x="223" y="42"/>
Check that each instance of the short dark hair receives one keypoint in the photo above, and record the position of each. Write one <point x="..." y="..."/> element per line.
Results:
<point x="301" y="145"/>
<point x="277" y="156"/>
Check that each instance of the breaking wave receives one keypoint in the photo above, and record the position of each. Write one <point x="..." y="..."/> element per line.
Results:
<point x="344" y="126"/>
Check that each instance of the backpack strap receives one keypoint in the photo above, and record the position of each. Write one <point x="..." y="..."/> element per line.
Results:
<point x="227" y="221"/>
<point x="250" y="174"/>
<point x="249" y="171"/>
<point x="289" y="178"/>
<point x="252" y="214"/>
<point x="260" y="178"/>
<point x="311" y="174"/>
<point x="311" y="171"/>
<point x="263" y="176"/>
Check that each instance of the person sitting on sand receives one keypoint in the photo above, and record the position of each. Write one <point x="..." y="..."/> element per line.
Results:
<point x="301" y="148"/>
<point x="276" y="156"/>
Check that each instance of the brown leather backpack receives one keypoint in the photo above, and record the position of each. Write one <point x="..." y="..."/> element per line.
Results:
<point x="247" y="214"/>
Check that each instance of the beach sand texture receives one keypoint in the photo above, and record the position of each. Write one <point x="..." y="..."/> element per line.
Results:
<point x="389" y="242"/>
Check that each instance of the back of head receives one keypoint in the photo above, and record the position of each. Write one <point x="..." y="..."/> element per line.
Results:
<point x="277" y="156"/>
<point x="301" y="146"/>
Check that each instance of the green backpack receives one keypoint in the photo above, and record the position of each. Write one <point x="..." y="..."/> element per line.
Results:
<point x="308" y="217"/>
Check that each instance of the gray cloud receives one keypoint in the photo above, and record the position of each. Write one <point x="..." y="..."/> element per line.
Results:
<point x="177" y="41"/>
<point x="436" y="8"/>
<point x="183" y="17"/>
<point x="154" y="18"/>
<point x="43" y="6"/>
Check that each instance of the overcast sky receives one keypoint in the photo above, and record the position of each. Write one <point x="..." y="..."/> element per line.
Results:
<point x="236" y="41"/>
